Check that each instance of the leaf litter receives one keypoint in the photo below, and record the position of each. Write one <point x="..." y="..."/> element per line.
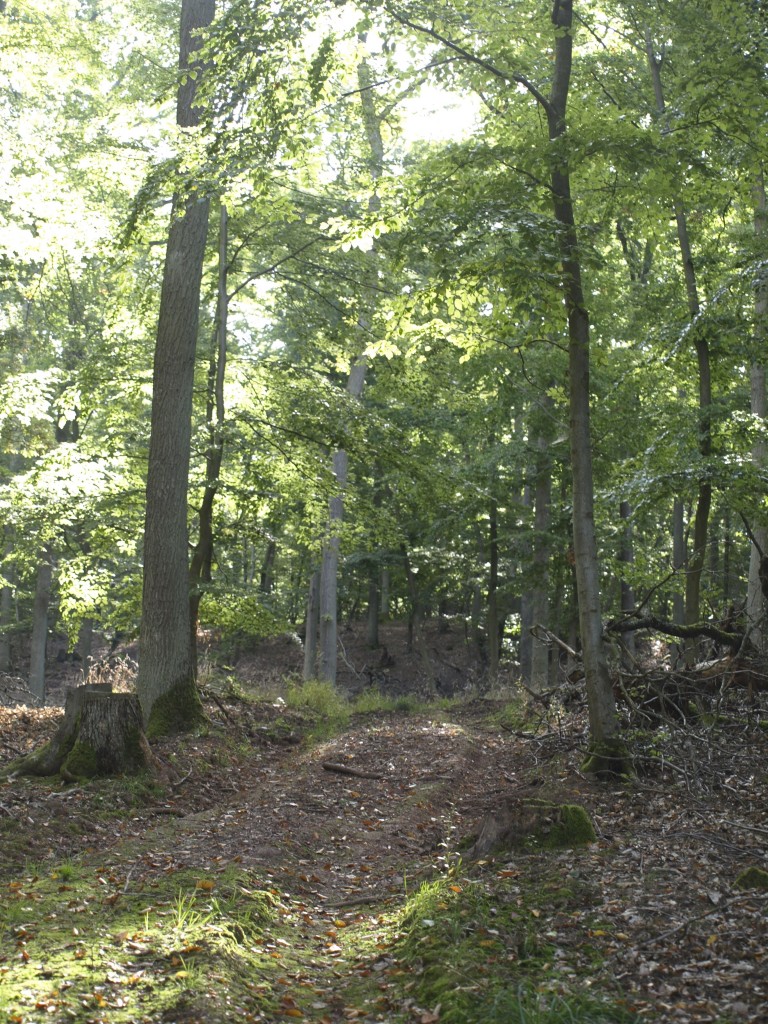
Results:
<point x="658" y="916"/>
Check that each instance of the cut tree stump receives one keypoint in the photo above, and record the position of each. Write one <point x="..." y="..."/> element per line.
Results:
<point x="531" y="823"/>
<point x="101" y="734"/>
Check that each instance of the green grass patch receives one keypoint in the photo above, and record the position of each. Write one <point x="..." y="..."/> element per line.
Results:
<point x="87" y="943"/>
<point x="486" y="951"/>
<point x="327" y="711"/>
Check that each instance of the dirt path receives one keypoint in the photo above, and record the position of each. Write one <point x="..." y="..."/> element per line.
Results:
<point x="658" y="913"/>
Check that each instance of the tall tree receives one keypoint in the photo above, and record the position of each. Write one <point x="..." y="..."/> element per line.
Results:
<point x="757" y="589"/>
<point x="328" y="646"/>
<point x="167" y="681"/>
<point x="695" y="561"/>
<point x="607" y="750"/>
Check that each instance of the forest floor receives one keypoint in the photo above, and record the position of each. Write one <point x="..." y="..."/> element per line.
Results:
<point x="254" y="880"/>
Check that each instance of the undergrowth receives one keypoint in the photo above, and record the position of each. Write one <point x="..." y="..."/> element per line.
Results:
<point x="479" y="950"/>
<point x="88" y="943"/>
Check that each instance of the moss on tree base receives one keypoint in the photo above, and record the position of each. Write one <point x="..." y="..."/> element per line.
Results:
<point x="80" y="763"/>
<point x="608" y="760"/>
<point x="178" y="710"/>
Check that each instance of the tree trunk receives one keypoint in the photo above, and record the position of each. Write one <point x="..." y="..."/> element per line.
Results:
<point x="385" y="590"/>
<point x="695" y="563"/>
<point x="39" y="640"/>
<point x="311" y="626"/>
<point x="373" y="607"/>
<point x="6" y="612"/>
<point x="100" y="734"/>
<point x="607" y="754"/>
<point x="758" y="560"/>
<point x="85" y="644"/>
<point x="166" y="681"/>
<point x="202" y="553"/>
<point x="267" y="571"/>
<point x="493" y="591"/>
<point x="526" y="603"/>
<point x="627" y="594"/>
<point x="540" y="653"/>
<point x="330" y="563"/>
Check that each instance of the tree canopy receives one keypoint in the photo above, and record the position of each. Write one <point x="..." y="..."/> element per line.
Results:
<point x="428" y="191"/>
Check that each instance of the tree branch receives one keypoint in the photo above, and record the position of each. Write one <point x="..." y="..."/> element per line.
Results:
<point x="505" y="76"/>
<point x="733" y="640"/>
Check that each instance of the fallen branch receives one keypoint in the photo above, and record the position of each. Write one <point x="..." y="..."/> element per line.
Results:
<point x="360" y="901"/>
<point x="546" y="636"/>
<point x="734" y="640"/>
<point x="344" y="769"/>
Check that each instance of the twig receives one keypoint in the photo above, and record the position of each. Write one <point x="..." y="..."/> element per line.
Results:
<point x="208" y="692"/>
<point x="699" y="917"/>
<point x="344" y="769"/>
<point x="180" y="783"/>
<point x="550" y="638"/>
<point x="735" y="824"/>
<point x="360" y="901"/>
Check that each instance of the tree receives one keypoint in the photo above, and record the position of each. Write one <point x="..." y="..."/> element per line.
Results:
<point x="757" y="590"/>
<point x="167" y="681"/>
<point x="328" y="599"/>
<point x="607" y="751"/>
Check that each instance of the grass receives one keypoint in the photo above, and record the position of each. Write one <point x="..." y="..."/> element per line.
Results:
<point x="481" y="951"/>
<point x="327" y="712"/>
<point x="81" y="943"/>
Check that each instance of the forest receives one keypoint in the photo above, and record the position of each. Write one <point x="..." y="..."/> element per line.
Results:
<point x="383" y="418"/>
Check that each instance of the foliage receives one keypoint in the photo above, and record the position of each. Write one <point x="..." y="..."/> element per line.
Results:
<point x="235" y="615"/>
<point x="452" y="930"/>
<point x="328" y="712"/>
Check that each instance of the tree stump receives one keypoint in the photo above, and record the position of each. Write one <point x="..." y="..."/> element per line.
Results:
<point x="530" y="823"/>
<point x="101" y="734"/>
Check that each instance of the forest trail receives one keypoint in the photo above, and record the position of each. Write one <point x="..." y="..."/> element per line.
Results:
<point x="648" y="915"/>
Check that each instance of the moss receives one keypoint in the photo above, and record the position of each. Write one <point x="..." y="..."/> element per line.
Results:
<point x="608" y="760"/>
<point x="178" y="710"/>
<point x="753" y="878"/>
<point x="572" y="827"/>
<point x="80" y="763"/>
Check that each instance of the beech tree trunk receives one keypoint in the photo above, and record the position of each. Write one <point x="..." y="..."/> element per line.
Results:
<point x="6" y="613"/>
<point x="311" y="625"/>
<point x="695" y="562"/>
<point x="330" y="562"/>
<point x="627" y="594"/>
<point x="540" y="653"/>
<point x="493" y="590"/>
<point x="166" y="681"/>
<point x="39" y="642"/>
<point x="757" y="602"/>
<point x="373" y="606"/>
<point x="526" y="603"/>
<point x="607" y="754"/>
<point x="202" y="553"/>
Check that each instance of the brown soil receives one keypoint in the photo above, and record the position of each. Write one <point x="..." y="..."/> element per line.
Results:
<point x="679" y="938"/>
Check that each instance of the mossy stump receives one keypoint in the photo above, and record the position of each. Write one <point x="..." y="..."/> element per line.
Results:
<point x="100" y="734"/>
<point x="532" y="823"/>
<point x="753" y="878"/>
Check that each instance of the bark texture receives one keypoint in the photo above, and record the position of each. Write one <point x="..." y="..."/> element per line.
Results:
<point x="166" y="664"/>
<point x="694" y="562"/>
<point x="100" y="734"/>
<point x="328" y="653"/>
<point x="756" y="599"/>
<point x="39" y="641"/>
<point x="603" y="720"/>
